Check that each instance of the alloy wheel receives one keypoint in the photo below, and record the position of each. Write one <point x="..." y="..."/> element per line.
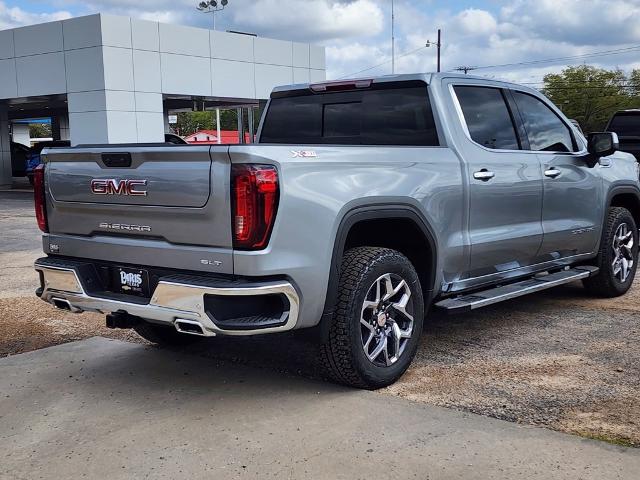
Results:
<point x="386" y="319"/>
<point x="622" y="252"/>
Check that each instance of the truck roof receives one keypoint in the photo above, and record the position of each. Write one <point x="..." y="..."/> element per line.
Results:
<point x="429" y="78"/>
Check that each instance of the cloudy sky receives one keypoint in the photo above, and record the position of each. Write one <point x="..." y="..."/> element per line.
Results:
<point x="478" y="33"/>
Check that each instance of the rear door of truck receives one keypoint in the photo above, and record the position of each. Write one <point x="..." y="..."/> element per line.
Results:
<point x="163" y="205"/>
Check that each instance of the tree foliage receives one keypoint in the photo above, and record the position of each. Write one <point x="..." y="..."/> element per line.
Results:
<point x="592" y="95"/>
<point x="192" y="122"/>
<point x="40" y="130"/>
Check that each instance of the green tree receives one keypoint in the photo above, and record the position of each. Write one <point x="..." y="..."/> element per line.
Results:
<point x="40" y="130"/>
<point x="634" y="81"/>
<point x="592" y="95"/>
<point x="192" y="122"/>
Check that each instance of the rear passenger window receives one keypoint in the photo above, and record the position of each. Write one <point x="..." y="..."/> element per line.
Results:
<point x="487" y="117"/>
<point x="545" y="131"/>
<point x="385" y="114"/>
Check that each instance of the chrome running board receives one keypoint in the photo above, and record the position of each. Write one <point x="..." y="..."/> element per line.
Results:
<point x="483" y="298"/>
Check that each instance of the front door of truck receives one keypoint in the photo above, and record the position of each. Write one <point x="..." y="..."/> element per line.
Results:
<point x="573" y="192"/>
<point x="505" y="183"/>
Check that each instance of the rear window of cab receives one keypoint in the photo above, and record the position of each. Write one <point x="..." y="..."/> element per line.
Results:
<point x="383" y="114"/>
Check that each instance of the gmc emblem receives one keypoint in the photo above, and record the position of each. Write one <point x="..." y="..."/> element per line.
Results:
<point x="111" y="186"/>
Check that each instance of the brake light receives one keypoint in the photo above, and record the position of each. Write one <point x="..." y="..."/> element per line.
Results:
<point x="255" y="193"/>
<point x="40" y="201"/>
<point x="340" y="86"/>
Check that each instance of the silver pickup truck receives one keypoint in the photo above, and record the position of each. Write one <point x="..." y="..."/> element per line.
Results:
<point x="363" y="205"/>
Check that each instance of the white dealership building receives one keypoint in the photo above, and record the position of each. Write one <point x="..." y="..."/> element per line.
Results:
<point x="110" y="79"/>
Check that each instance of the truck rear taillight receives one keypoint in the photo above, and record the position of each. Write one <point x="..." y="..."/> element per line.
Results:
<point x="255" y="194"/>
<point x="40" y="201"/>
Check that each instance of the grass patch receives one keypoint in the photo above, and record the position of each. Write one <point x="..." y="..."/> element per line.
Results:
<point x="619" y="441"/>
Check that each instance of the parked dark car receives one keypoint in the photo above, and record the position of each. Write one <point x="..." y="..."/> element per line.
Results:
<point x="34" y="158"/>
<point x="626" y="123"/>
<point x="19" y="156"/>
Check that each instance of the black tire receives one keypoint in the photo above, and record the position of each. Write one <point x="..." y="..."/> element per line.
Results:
<point x="607" y="283"/>
<point x="164" y="335"/>
<point x="342" y="354"/>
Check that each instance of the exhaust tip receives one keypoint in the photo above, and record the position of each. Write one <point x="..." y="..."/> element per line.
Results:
<point x="61" y="304"/>
<point x="191" y="327"/>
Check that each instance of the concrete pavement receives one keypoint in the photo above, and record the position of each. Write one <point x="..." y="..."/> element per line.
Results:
<point x="20" y="244"/>
<point x="107" y="409"/>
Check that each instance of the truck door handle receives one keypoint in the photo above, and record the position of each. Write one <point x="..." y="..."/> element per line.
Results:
<point x="552" y="172"/>
<point x="484" y="175"/>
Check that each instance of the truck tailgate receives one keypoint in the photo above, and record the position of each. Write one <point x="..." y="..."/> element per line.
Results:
<point x="173" y="194"/>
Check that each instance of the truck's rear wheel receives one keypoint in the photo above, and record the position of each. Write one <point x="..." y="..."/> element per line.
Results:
<point x="164" y="335"/>
<point x="377" y="321"/>
<point x="618" y="257"/>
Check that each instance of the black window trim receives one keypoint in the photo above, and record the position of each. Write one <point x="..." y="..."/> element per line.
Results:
<point x="518" y="121"/>
<point x="512" y="88"/>
<point x="505" y="97"/>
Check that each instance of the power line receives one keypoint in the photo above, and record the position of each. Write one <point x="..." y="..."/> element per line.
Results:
<point x="383" y="63"/>
<point x="466" y="69"/>
<point x="617" y="51"/>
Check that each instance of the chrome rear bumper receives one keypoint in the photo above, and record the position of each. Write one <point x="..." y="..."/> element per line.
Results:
<point x="171" y="300"/>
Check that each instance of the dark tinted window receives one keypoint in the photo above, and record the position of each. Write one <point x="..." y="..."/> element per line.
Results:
<point x="626" y="124"/>
<point x="487" y="117"/>
<point x="387" y="114"/>
<point x="342" y="119"/>
<point x="545" y="130"/>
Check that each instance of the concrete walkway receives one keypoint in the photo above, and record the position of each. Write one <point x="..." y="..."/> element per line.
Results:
<point x="106" y="409"/>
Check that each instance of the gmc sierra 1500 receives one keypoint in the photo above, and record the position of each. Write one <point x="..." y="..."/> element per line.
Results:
<point x="363" y="204"/>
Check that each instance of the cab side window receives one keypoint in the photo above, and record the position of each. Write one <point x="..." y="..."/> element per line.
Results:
<point x="545" y="130"/>
<point x="487" y="117"/>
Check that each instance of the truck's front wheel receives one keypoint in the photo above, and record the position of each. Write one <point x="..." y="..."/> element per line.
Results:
<point x="618" y="257"/>
<point x="377" y="321"/>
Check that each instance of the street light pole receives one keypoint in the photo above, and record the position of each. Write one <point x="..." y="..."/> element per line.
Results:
<point x="393" y="38"/>
<point x="212" y="6"/>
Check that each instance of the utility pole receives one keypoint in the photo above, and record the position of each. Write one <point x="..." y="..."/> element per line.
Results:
<point x="393" y="38"/>
<point x="465" y="69"/>
<point x="438" y="44"/>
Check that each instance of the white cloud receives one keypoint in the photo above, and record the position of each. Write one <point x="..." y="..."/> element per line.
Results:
<point x="11" y="17"/>
<point x="344" y="57"/>
<point x="311" y="20"/>
<point x="356" y="32"/>
<point x="304" y="20"/>
<point x="524" y="30"/>
<point x="475" y="23"/>
<point x="580" y="22"/>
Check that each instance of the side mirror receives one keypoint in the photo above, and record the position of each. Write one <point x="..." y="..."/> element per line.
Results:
<point x="603" y="144"/>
